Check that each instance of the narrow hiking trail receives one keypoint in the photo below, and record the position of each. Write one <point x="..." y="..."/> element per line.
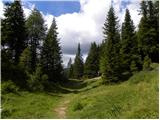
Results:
<point x="61" y="109"/>
<point x="75" y="87"/>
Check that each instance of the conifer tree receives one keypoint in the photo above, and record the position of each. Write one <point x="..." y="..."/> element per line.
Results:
<point x="13" y="30"/>
<point x="13" y="43"/>
<point x="110" y="62"/>
<point x="69" y="63"/>
<point x="25" y="60"/>
<point x="129" y="49"/>
<point x="148" y="31"/>
<point x="51" y="55"/>
<point x="36" y="34"/>
<point x="91" y="66"/>
<point x="146" y="63"/>
<point x="70" y="74"/>
<point x="78" y="64"/>
<point x="69" y="68"/>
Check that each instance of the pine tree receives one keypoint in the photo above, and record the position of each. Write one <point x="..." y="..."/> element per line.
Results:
<point x="133" y="67"/>
<point x="68" y="69"/>
<point x="70" y="74"/>
<point x="51" y="55"/>
<point x="25" y="60"/>
<point x="36" y="34"/>
<point x="78" y="64"/>
<point x="146" y="63"/>
<point x="148" y="31"/>
<point x="129" y="48"/>
<point x="13" y="43"/>
<point x="69" y="63"/>
<point x="110" y="62"/>
<point x="91" y="66"/>
<point x="13" y="30"/>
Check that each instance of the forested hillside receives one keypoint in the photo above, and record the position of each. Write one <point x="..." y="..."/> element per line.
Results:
<point x="125" y="63"/>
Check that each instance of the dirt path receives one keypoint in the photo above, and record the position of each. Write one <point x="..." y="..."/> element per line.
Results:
<point x="61" y="109"/>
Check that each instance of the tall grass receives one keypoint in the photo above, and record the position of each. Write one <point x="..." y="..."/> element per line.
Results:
<point x="135" y="98"/>
<point x="28" y="105"/>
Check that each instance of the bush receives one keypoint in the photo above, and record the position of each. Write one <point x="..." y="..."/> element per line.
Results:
<point x="37" y="80"/>
<point x="147" y="63"/>
<point x="133" y="67"/>
<point x="9" y="86"/>
<point x="77" y="106"/>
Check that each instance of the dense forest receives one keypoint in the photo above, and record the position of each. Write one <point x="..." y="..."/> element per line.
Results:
<point x="31" y="55"/>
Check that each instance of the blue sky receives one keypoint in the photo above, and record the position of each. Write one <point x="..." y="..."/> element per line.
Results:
<point x="54" y="7"/>
<point x="57" y="8"/>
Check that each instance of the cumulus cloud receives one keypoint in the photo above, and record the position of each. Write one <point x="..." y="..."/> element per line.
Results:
<point x="83" y="27"/>
<point x="86" y="25"/>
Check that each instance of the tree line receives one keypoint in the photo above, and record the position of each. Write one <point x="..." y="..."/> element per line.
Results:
<point x="31" y="54"/>
<point x="124" y="51"/>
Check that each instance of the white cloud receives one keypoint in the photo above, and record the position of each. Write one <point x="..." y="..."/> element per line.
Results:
<point x="1" y="9"/>
<point x="48" y="18"/>
<point x="133" y="8"/>
<point x="27" y="8"/>
<point x="85" y="26"/>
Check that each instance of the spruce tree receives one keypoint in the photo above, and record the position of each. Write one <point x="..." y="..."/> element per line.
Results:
<point x="148" y="40"/>
<point x="110" y="62"/>
<point x="13" y="30"/>
<point x="36" y="34"/>
<point x="69" y="69"/>
<point x="69" y="63"/>
<point x="13" y="43"/>
<point x="25" y="60"/>
<point x="147" y="63"/>
<point x="70" y="74"/>
<point x="129" y="49"/>
<point x="51" y="55"/>
<point x="91" y="66"/>
<point x="78" y="64"/>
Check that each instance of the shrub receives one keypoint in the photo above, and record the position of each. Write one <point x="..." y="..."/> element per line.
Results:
<point x="147" y="63"/>
<point x="133" y="67"/>
<point x="37" y="80"/>
<point x="77" y="106"/>
<point x="9" y="86"/>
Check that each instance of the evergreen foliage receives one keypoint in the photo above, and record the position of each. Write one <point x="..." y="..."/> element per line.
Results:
<point x="69" y="63"/>
<point x="51" y="55"/>
<point x="13" y="30"/>
<point x="148" y="33"/>
<point x="37" y="80"/>
<point x="36" y="34"/>
<point x="91" y="66"/>
<point x="147" y="63"/>
<point x="78" y="64"/>
<point x="133" y="67"/>
<point x="71" y="74"/>
<point x="25" y="60"/>
<point x="110" y="63"/>
<point x="129" y="47"/>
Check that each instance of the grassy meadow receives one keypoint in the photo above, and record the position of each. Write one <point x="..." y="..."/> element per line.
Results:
<point x="134" y="98"/>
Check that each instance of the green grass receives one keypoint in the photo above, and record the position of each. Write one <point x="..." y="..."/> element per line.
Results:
<point x="135" y="98"/>
<point x="29" y="105"/>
